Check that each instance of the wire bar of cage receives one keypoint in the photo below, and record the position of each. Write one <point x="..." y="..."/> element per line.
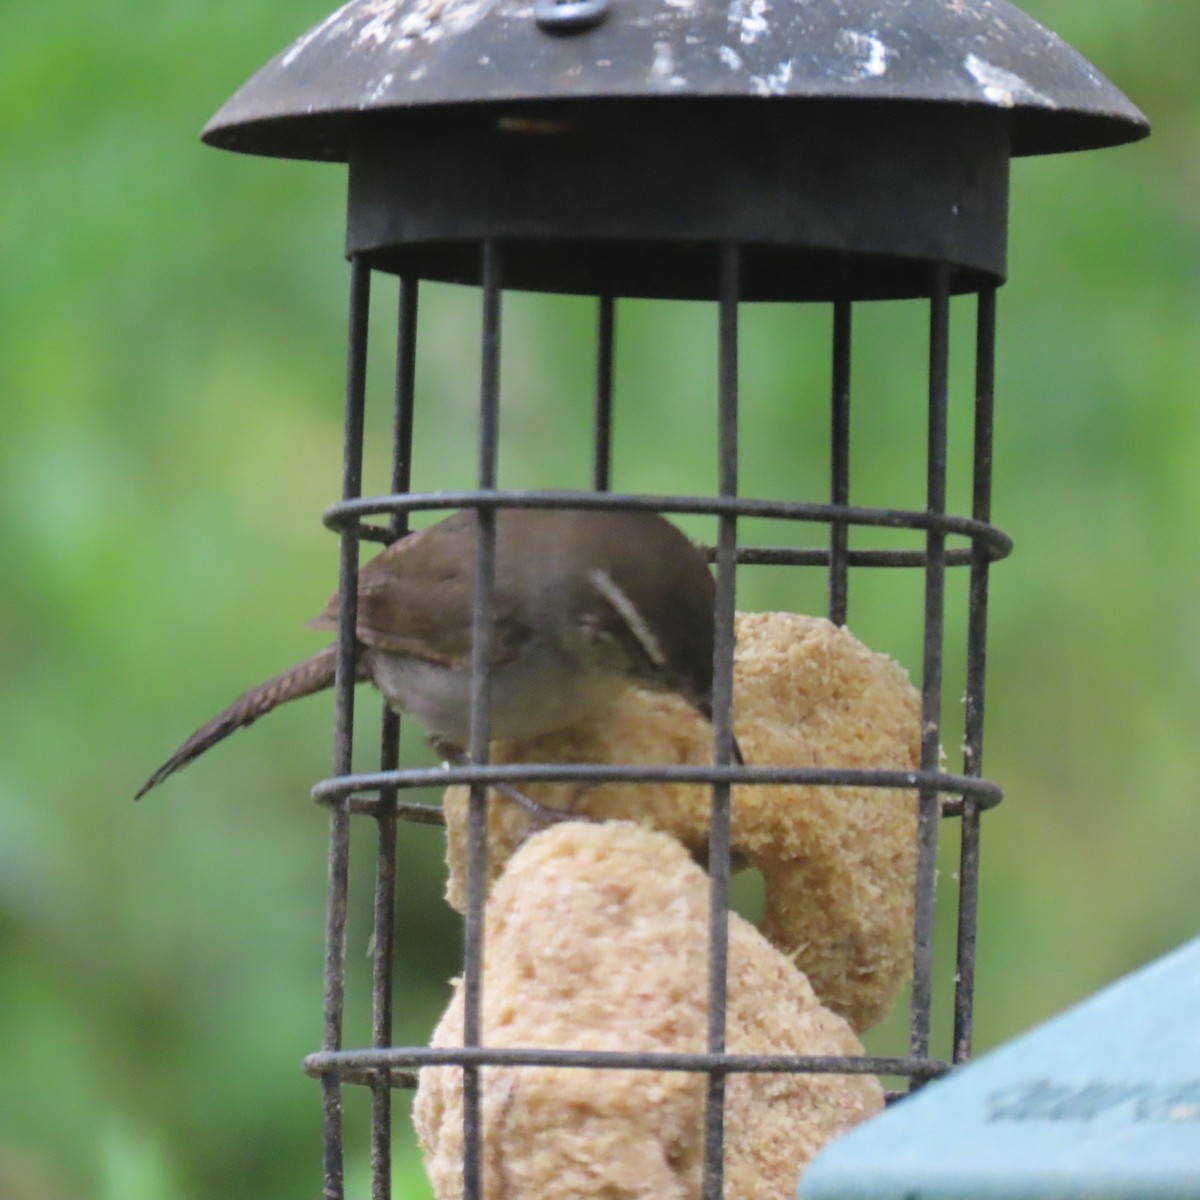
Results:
<point x="839" y="559"/>
<point x="928" y="810"/>
<point x="787" y="556"/>
<point x="366" y="1061"/>
<point x="606" y="329"/>
<point x="981" y="508"/>
<point x="422" y="813"/>
<point x="719" y="837"/>
<point x="343" y="736"/>
<point x="383" y="934"/>
<point x="332" y="790"/>
<point x="802" y="556"/>
<point x="383" y="937"/>
<point x="483" y="607"/>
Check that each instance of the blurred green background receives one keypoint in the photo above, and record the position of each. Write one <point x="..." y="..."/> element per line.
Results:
<point x="171" y="365"/>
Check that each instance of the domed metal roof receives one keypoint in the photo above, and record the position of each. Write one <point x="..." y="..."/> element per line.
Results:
<point x="372" y="56"/>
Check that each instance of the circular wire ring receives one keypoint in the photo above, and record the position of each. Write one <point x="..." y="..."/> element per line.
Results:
<point x="993" y="543"/>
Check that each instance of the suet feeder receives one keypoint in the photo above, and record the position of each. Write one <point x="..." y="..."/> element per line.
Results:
<point x="827" y="152"/>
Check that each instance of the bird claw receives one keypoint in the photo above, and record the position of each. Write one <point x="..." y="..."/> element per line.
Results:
<point x="541" y="816"/>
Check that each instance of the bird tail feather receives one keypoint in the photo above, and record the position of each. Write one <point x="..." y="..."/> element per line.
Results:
<point x="312" y="675"/>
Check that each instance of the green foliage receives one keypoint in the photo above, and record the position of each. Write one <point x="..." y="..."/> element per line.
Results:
<point x="171" y="345"/>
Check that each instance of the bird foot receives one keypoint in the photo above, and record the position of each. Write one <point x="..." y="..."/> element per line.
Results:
<point x="540" y="815"/>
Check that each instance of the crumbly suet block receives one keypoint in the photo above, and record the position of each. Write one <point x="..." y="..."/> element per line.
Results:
<point x="596" y="938"/>
<point x="838" y="863"/>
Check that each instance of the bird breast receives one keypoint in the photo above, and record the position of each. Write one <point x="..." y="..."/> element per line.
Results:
<point x="543" y="688"/>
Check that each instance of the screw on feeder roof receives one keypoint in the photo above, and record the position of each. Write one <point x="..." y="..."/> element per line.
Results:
<point x="833" y="151"/>
<point x="569" y="16"/>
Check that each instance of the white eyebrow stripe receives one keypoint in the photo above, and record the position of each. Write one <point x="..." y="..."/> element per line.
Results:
<point x="603" y="582"/>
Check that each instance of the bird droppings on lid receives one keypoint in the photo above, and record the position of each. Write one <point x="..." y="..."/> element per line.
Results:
<point x="395" y="24"/>
<point x="869" y="55"/>
<point x="776" y="83"/>
<point x="380" y="89"/>
<point x="1002" y="87"/>
<point x="662" y="71"/>
<point x="749" y="18"/>
<point x="730" y="57"/>
<point x="378" y="29"/>
<point x="430" y="20"/>
<point x="332" y="24"/>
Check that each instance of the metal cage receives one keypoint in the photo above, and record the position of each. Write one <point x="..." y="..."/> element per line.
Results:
<point x="841" y="153"/>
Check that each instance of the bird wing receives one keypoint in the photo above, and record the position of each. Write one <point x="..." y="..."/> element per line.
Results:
<point x="659" y="601"/>
<point x="417" y="597"/>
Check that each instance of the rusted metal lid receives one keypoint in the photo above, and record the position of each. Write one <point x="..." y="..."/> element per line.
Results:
<point x="372" y="56"/>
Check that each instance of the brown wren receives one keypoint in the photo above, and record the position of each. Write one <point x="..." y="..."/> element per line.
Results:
<point x="586" y="603"/>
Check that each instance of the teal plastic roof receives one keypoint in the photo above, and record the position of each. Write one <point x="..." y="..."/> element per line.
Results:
<point x="1101" y="1103"/>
